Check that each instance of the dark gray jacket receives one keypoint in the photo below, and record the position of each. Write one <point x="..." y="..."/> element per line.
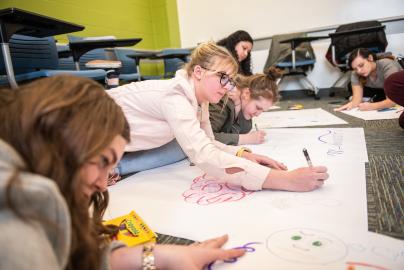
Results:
<point x="226" y="125"/>
<point x="42" y="241"/>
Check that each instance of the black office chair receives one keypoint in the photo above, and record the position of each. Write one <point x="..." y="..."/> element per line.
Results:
<point x="294" y="55"/>
<point x="347" y="37"/>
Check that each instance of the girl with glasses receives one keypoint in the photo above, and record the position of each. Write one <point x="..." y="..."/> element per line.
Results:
<point x="231" y="118"/>
<point x="240" y="44"/>
<point x="58" y="139"/>
<point x="169" y="120"/>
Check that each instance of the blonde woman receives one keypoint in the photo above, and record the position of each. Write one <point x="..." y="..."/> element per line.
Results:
<point x="170" y="121"/>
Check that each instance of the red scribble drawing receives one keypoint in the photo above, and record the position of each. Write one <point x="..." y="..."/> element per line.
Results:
<point x="372" y="266"/>
<point x="205" y="191"/>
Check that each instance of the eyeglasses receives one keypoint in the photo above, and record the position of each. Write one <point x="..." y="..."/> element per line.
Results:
<point x="102" y="164"/>
<point x="225" y="79"/>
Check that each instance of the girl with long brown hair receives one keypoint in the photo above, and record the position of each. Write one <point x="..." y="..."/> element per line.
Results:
<point x="59" y="138"/>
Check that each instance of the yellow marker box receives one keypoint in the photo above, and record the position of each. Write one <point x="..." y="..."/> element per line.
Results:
<point x="132" y="229"/>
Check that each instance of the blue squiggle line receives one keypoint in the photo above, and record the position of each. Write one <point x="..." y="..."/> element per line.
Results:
<point x="320" y="137"/>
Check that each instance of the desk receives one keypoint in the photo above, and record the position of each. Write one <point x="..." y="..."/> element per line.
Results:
<point x="170" y="55"/>
<point x="158" y="55"/>
<point x="294" y="42"/>
<point x="139" y="55"/>
<point x="298" y="40"/>
<point x="17" y="21"/>
<point x="79" y="48"/>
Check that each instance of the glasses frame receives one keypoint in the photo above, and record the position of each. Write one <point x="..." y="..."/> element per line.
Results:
<point x="224" y="79"/>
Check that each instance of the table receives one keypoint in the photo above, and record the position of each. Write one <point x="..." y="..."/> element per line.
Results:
<point x="18" y="21"/>
<point x="78" y="48"/>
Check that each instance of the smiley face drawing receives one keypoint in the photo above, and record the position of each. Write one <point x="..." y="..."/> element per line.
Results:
<point x="306" y="246"/>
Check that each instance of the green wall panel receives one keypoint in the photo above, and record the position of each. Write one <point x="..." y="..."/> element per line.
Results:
<point x="155" y="21"/>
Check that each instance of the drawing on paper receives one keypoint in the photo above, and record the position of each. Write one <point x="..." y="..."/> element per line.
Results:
<point x="385" y="253"/>
<point x="351" y="265"/>
<point x="247" y="247"/>
<point x="299" y="200"/>
<point x="306" y="246"/>
<point x="206" y="191"/>
<point x="335" y="140"/>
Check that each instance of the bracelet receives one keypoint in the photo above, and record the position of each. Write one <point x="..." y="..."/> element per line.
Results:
<point x="148" y="257"/>
<point x="242" y="150"/>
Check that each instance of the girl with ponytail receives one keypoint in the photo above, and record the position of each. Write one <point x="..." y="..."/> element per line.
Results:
<point x="231" y="118"/>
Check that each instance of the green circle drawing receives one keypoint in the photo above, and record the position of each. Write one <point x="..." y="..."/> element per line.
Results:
<point x="296" y="237"/>
<point x="317" y="243"/>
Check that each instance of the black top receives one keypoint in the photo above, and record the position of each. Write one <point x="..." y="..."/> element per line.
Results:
<point x="18" y="21"/>
<point x="79" y="48"/>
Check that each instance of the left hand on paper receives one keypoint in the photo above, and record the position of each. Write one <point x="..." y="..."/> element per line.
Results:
<point x="196" y="256"/>
<point x="266" y="161"/>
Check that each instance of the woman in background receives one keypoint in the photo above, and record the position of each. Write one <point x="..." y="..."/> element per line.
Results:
<point x="240" y="44"/>
<point x="368" y="76"/>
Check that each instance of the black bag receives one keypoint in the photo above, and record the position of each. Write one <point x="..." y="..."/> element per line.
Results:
<point x="345" y="44"/>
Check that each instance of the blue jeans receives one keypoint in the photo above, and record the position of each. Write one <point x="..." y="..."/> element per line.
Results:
<point x="132" y="162"/>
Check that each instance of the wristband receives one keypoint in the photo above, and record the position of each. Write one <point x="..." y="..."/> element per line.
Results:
<point x="148" y="257"/>
<point x="242" y="150"/>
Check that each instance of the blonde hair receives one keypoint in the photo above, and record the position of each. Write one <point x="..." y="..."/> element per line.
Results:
<point x="207" y="55"/>
<point x="261" y="84"/>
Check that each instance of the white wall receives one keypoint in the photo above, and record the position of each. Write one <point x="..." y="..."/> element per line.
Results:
<point x="202" y="20"/>
<point x="323" y="75"/>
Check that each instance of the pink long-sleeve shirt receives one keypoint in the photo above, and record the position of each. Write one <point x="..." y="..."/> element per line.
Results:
<point x="160" y="110"/>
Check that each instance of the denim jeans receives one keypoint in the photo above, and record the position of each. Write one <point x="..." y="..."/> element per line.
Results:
<point x="132" y="162"/>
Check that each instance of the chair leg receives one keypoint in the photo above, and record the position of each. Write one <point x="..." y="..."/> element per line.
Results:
<point x="343" y="80"/>
<point x="312" y="87"/>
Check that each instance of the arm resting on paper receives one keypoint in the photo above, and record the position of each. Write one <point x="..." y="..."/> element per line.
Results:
<point x="367" y="106"/>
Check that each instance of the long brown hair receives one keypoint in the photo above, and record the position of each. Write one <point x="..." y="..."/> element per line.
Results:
<point x="58" y="124"/>
<point x="365" y="53"/>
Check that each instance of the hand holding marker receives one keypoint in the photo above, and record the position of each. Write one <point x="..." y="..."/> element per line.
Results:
<point x="306" y="155"/>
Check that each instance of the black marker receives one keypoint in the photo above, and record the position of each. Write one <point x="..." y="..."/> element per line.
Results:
<point x="306" y="155"/>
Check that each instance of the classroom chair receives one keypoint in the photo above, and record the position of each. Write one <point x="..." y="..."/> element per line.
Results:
<point x="293" y="54"/>
<point x="34" y="58"/>
<point x="346" y="38"/>
<point x="174" y="59"/>
<point x="129" y="70"/>
<point x="130" y="59"/>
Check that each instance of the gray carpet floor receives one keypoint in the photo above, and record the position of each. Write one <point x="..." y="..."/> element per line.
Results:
<point x="384" y="172"/>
